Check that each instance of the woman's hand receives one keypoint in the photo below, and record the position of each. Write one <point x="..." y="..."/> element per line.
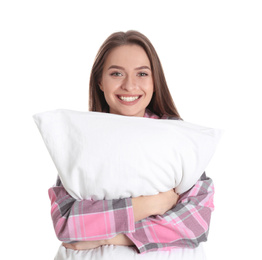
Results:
<point x="164" y="201"/>
<point x="159" y="204"/>
<point x="120" y="240"/>
<point x="84" y="245"/>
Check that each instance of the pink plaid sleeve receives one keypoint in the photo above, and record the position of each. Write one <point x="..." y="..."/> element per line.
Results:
<point x="186" y="225"/>
<point x="87" y="219"/>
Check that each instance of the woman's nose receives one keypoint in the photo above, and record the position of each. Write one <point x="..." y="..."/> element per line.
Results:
<point x="129" y="83"/>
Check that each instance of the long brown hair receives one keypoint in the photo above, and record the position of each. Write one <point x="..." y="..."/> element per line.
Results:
<point x="161" y="103"/>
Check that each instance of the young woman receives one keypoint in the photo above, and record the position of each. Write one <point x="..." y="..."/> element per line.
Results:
<point x="127" y="79"/>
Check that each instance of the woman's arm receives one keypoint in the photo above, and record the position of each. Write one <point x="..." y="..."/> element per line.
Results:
<point x="104" y="219"/>
<point x="142" y="207"/>
<point x="88" y="219"/>
<point x="186" y="225"/>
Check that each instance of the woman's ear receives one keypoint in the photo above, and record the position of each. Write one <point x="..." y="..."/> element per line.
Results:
<point x="101" y="86"/>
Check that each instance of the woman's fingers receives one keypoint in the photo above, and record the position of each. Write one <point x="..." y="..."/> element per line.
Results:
<point x="83" y="245"/>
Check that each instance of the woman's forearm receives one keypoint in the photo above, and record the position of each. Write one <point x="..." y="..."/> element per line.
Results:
<point x="69" y="215"/>
<point x="186" y="225"/>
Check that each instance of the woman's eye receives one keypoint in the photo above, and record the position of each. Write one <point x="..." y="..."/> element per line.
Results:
<point x="116" y="74"/>
<point x="142" y="74"/>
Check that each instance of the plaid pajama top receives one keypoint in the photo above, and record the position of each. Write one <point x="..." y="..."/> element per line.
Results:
<point x="186" y="225"/>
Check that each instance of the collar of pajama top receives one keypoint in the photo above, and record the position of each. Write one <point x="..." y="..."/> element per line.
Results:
<point x="150" y="114"/>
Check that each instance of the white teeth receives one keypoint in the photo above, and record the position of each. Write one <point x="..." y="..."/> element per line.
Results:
<point x="128" y="99"/>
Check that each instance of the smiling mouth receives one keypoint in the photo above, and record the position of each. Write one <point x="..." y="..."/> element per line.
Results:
<point x="128" y="98"/>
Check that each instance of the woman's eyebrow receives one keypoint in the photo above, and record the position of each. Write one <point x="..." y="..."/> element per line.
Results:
<point x="122" y="68"/>
<point x="116" y="67"/>
<point x="142" y="68"/>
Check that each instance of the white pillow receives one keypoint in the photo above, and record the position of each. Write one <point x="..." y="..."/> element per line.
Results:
<point x="108" y="156"/>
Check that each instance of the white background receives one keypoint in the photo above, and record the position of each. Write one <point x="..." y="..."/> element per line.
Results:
<point x="212" y="58"/>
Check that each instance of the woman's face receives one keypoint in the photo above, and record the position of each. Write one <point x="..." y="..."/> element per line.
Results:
<point x="127" y="81"/>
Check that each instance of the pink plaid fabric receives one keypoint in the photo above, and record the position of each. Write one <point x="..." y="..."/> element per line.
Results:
<point x="186" y="225"/>
<point x="88" y="219"/>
